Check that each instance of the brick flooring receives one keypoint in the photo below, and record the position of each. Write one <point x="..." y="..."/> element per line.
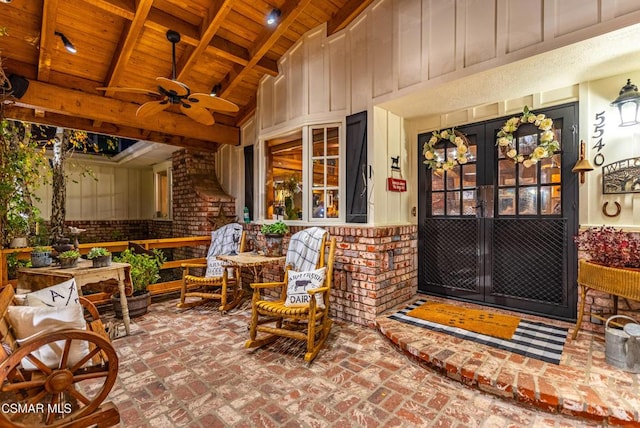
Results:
<point x="189" y="368"/>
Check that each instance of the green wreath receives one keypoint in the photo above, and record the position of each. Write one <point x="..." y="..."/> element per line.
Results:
<point x="548" y="143"/>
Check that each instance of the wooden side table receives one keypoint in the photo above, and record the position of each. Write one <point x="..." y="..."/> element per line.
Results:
<point x="84" y="273"/>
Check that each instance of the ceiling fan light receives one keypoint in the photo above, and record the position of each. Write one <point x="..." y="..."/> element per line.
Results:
<point x="66" y="42"/>
<point x="273" y="17"/>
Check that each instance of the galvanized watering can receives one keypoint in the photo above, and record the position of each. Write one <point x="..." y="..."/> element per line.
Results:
<point x="622" y="347"/>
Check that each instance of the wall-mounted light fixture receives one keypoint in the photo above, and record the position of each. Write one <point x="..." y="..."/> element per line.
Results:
<point x="274" y="17"/>
<point x="66" y="42"/>
<point x="628" y="103"/>
<point x="583" y="165"/>
<point x="215" y="90"/>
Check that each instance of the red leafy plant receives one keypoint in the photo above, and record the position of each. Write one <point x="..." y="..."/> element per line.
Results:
<point x="610" y="246"/>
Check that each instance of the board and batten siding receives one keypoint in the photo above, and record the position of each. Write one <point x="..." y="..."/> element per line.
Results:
<point x="397" y="47"/>
<point x="117" y="194"/>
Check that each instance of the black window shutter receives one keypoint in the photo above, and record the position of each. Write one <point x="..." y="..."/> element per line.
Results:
<point x="248" y="179"/>
<point x="356" y="164"/>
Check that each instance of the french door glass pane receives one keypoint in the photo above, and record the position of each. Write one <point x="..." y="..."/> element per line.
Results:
<point x="507" y="201"/>
<point x="506" y="172"/>
<point x="528" y="201"/>
<point x="453" y="203"/>
<point x="527" y="175"/>
<point x="469" y="202"/>
<point x="437" y="203"/>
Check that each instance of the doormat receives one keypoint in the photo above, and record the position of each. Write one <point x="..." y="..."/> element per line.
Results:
<point x="532" y="339"/>
<point x="476" y="320"/>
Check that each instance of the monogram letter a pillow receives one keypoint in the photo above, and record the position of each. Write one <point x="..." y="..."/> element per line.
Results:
<point x="63" y="294"/>
<point x="299" y="283"/>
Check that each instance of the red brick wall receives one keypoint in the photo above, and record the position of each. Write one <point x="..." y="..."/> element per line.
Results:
<point x="375" y="269"/>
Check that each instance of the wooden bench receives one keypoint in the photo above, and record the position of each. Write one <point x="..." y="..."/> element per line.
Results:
<point x="67" y="396"/>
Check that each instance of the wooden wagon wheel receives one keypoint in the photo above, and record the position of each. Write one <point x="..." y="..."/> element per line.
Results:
<point x="53" y="389"/>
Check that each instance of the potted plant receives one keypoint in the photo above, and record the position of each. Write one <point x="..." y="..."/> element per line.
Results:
<point x="100" y="256"/>
<point x="68" y="259"/>
<point x="273" y="235"/>
<point x="145" y="270"/>
<point x="40" y="256"/>
<point x="17" y="229"/>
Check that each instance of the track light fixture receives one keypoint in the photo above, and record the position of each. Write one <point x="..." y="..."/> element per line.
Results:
<point x="215" y="90"/>
<point x="274" y="17"/>
<point x="66" y="42"/>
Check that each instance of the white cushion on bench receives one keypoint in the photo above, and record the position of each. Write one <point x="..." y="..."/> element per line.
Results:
<point x="29" y="321"/>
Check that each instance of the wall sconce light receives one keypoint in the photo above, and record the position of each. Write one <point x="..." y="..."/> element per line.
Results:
<point x="66" y="42"/>
<point x="273" y="17"/>
<point x="628" y="102"/>
<point x="216" y="88"/>
<point x="583" y="165"/>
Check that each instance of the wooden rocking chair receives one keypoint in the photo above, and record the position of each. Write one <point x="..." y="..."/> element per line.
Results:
<point x="310" y="322"/>
<point x="67" y="395"/>
<point x="225" y="288"/>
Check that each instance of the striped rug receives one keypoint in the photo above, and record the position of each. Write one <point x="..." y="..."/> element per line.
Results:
<point x="531" y="339"/>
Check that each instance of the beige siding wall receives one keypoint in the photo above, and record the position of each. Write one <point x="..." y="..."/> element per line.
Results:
<point x="117" y="194"/>
<point x="400" y="47"/>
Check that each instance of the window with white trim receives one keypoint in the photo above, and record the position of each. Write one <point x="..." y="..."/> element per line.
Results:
<point x="163" y="191"/>
<point x="302" y="175"/>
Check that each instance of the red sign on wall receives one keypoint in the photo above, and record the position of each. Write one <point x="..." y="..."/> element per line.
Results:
<point x="396" y="184"/>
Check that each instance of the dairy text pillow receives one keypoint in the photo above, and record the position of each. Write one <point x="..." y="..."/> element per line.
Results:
<point x="299" y="283"/>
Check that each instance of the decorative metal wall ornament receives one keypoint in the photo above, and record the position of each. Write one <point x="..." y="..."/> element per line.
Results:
<point x="621" y="177"/>
<point x="606" y="213"/>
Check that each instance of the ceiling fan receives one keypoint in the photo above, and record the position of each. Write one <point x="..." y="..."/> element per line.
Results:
<point x="173" y="92"/>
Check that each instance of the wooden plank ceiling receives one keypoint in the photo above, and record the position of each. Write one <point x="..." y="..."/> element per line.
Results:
<point x="122" y="43"/>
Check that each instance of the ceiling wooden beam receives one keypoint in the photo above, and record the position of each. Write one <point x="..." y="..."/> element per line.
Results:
<point x="221" y="10"/>
<point x="122" y="8"/>
<point x="126" y="45"/>
<point x="289" y="12"/>
<point x="162" y="21"/>
<point x="77" y="103"/>
<point x="47" y="38"/>
<point x="71" y="122"/>
<point x="346" y="14"/>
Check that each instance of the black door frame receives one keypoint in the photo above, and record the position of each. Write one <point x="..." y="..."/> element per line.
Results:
<point x="488" y="171"/>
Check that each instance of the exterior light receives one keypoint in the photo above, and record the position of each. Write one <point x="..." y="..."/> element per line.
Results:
<point x="66" y="42"/>
<point x="274" y="17"/>
<point x="628" y="102"/>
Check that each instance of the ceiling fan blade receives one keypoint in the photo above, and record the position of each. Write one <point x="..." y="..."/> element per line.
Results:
<point x="152" y="107"/>
<point x="197" y="113"/>
<point x="131" y="90"/>
<point x="214" y="103"/>
<point x="178" y="88"/>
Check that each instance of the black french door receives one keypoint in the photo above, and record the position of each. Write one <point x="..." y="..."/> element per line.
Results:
<point x="500" y="233"/>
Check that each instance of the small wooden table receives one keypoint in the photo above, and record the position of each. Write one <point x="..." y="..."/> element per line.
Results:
<point x="84" y="273"/>
<point x="252" y="260"/>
